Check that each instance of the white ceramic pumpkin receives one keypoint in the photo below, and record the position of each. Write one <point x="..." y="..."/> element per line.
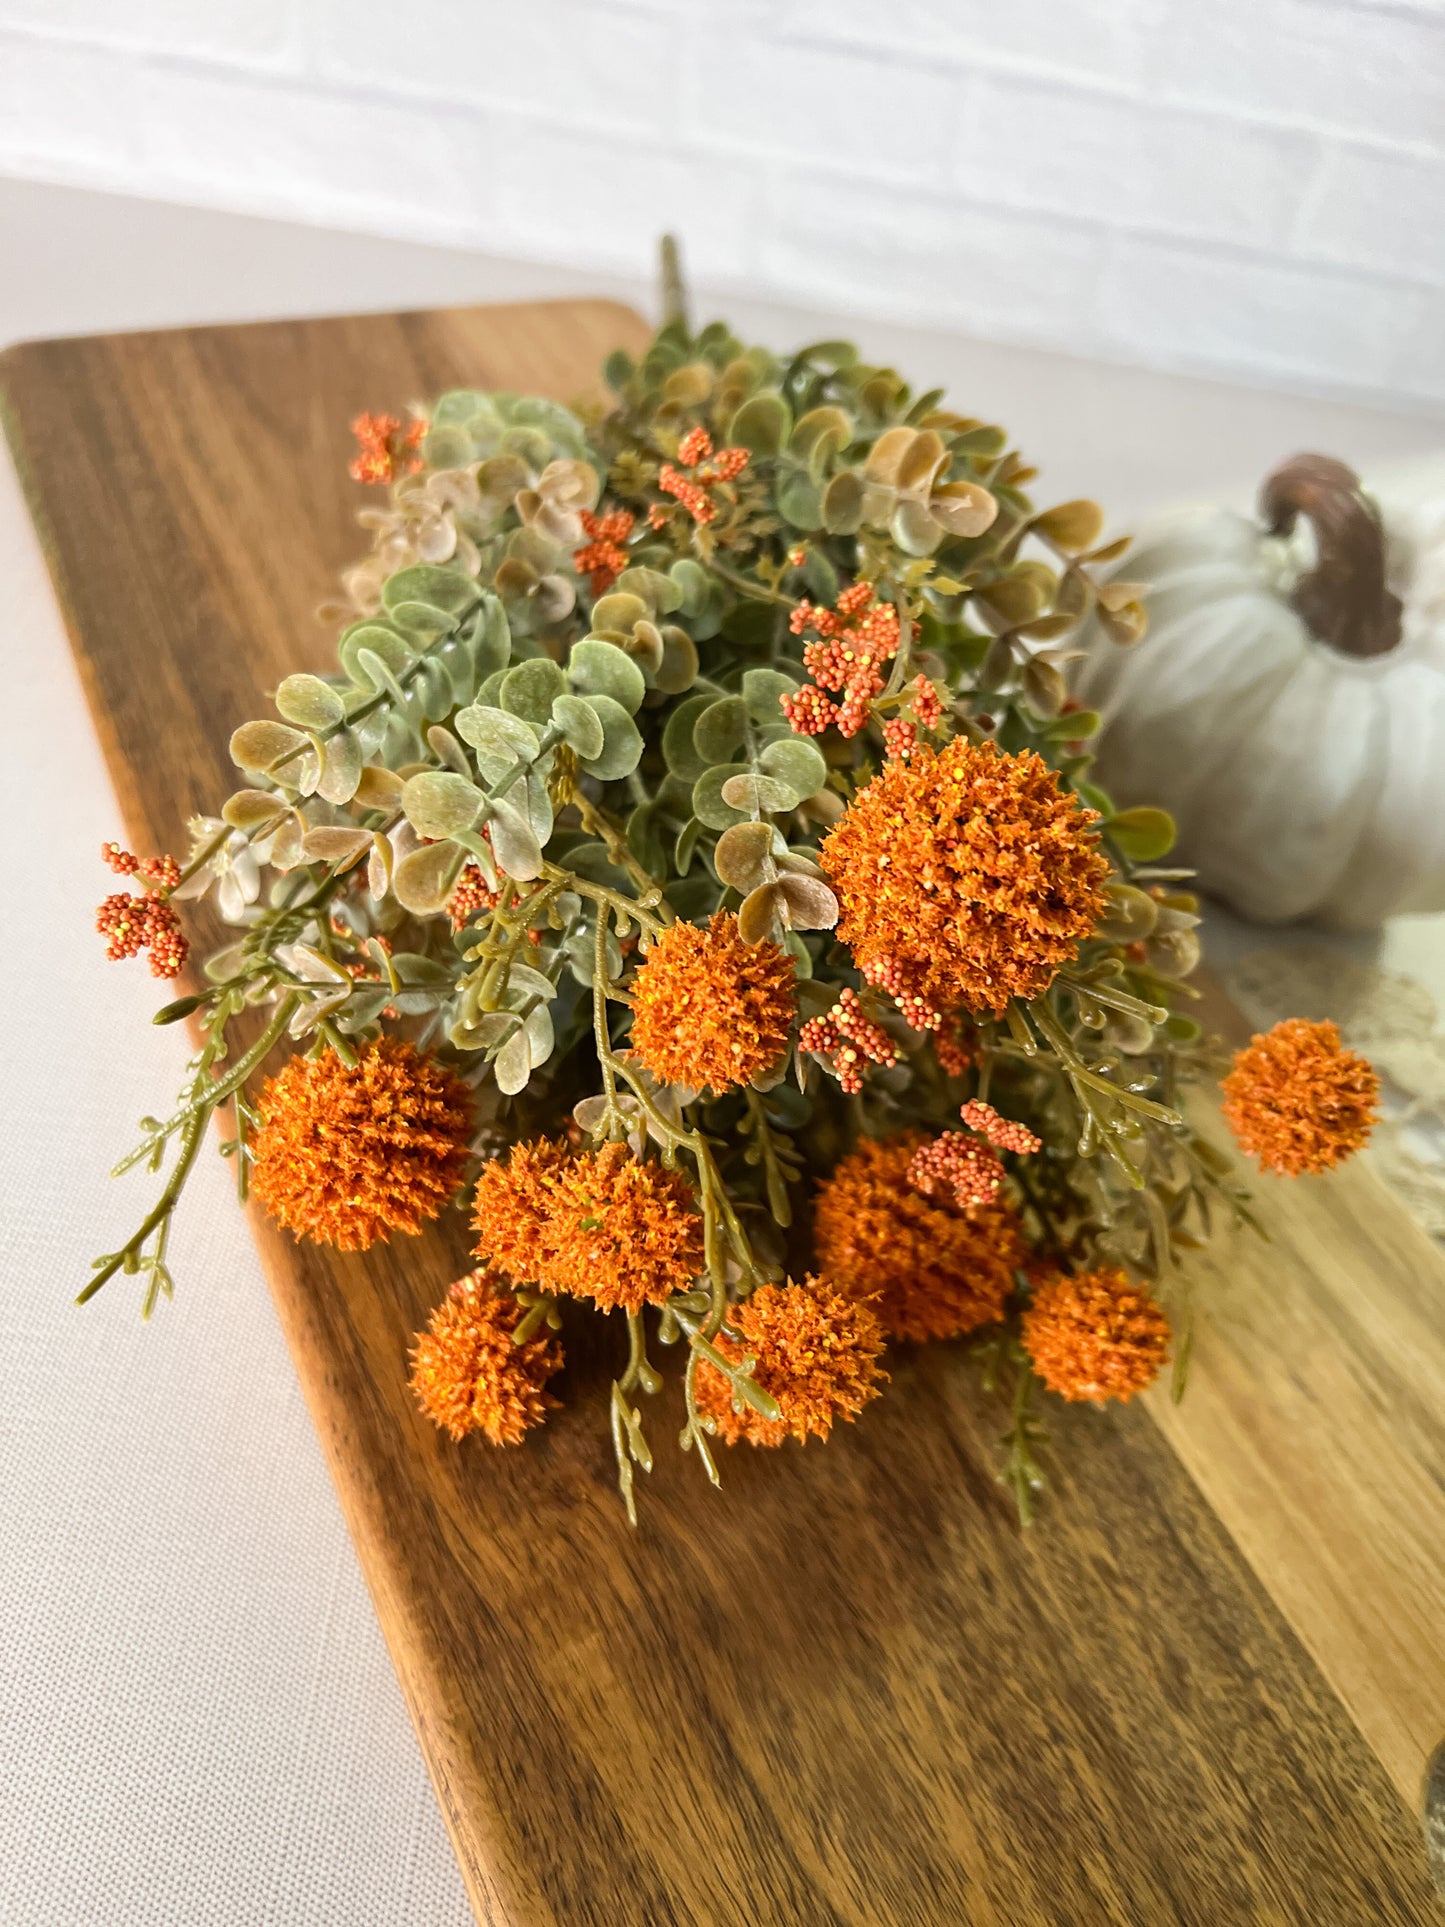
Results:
<point x="1287" y="703"/>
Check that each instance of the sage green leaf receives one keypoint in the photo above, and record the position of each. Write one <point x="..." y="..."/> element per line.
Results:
<point x="796" y="761"/>
<point x="413" y="968"/>
<point x="678" y="749"/>
<point x="693" y="584"/>
<point x="439" y="801"/>
<point x="308" y="701"/>
<point x="753" y="626"/>
<point x="662" y="593"/>
<point x="744" y="856"/>
<point x="541" y="1036"/>
<point x="800" y="500"/>
<point x="756" y="794"/>
<point x="497" y="733"/>
<point x="820" y="434"/>
<point x="707" y="798"/>
<point x="757" y="913"/>
<point x="531" y="688"/>
<point x="842" y="504"/>
<point x="262" y="745"/>
<point x="378" y="789"/>
<point x="579" y="723"/>
<point x="621" y="744"/>
<point x="381" y="640"/>
<point x="423" y="622"/>
<point x="249" y="809"/>
<point x="425" y="878"/>
<point x="537" y="802"/>
<point x="763" y="692"/>
<point x="447" y="589"/>
<point x="340" y="767"/>
<point x="335" y="845"/>
<point x="807" y="903"/>
<point x="1129" y="914"/>
<point x="762" y="424"/>
<point x="678" y="669"/>
<point x="513" y="843"/>
<point x="644" y="838"/>
<point x="721" y="729"/>
<point x="1142" y="835"/>
<point x="597" y="668"/>
<point x="489" y="636"/>
<point x="686" y="846"/>
<point x="379" y="675"/>
<point x="512" y="1065"/>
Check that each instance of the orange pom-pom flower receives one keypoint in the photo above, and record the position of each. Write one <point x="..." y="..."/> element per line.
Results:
<point x="814" y="1350"/>
<point x="966" y="877"/>
<point x="708" y="1009"/>
<point x="348" y="1154"/>
<point x="468" y="1375"/>
<point x="1298" y="1101"/>
<point x="623" y="1232"/>
<point x="513" y="1206"/>
<point x="1096" y="1336"/>
<point x="930" y="1270"/>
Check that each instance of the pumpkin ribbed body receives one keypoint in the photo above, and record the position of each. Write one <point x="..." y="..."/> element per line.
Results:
<point x="1307" y="783"/>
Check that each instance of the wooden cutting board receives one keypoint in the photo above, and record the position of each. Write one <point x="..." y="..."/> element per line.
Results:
<point x="846" y="1688"/>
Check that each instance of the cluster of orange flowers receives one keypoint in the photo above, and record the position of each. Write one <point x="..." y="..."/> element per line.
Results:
<point x="695" y="489"/>
<point x="604" y="1225"/>
<point x="852" y="644"/>
<point x="131" y="924"/>
<point x="1096" y="1336"/>
<point x="1298" y="1100"/>
<point x="603" y="557"/>
<point x="386" y="448"/>
<point x="468" y="1372"/>
<point x="708" y="1010"/>
<point x="966" y="876"/>
<point x="814" y="1350"/>
<point x="347" y="1154"/>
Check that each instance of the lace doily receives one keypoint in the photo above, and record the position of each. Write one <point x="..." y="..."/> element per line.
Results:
<point x="1390" y="1019"/>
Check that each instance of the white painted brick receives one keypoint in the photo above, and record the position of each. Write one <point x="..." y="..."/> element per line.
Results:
<point x="574" y="63"/>
<point x="72" y="107"/>
<point x="319" y="158"/>
<point x="1370" y="208"/>
<point x="259" y="32"/>
<point x="588" y="200"/>
<point x="1308" y="63"/>
<point x="1229" y="313"/>
<point x="1113" y="159"/>
<point x="899" y="255"/>
<point x="1104" y="38"/>
<point x="880" y="118"/>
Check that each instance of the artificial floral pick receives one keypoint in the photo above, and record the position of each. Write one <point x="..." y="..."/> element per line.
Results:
<point x="692" y="866"/>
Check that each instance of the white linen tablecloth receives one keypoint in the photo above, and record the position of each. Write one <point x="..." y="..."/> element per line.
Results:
<point x="199" y="1724"/>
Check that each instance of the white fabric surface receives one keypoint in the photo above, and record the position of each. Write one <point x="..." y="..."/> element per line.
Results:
<point x="199" y="1725"/>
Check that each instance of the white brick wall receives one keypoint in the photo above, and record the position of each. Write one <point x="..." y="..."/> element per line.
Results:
<point x="1249" y="187"/>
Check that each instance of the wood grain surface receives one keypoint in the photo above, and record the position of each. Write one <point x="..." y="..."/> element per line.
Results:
<point x="845" y="1689"/>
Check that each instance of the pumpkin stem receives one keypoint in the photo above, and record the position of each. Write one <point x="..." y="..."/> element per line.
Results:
<point x="1343" y="601"/>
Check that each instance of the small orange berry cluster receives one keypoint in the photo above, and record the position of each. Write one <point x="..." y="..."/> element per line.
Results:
<point x="694" y="490"/>
<point x="603" y="557"/>
<point x="469" y="896"/>
<point x="957" y="1166"/>
<point x="850" y="645"/>
<point x="386" y="448"/>
<point x="888" y="975"/>
<point x="851" y="1038"/>
<point x="953" y="1046"/>
<point x="1004" y="1132"/>
<point x="900" y="733"/>
<point x="135" y="923"/>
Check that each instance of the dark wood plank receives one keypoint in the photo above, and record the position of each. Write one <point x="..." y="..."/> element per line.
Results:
<point x="846" y="1688"/>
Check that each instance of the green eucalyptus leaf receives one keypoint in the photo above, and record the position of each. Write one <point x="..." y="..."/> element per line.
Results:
<point x="753" y="626"/>
<point x="439" y="802"/>
<point x="686" y="846"/>
<point x="425" y="878"/>
<point x="262" y="745"/>
<point x="678" y="749"/>
<point x="379" y="675"/>
<point x="597" y="668"/>
<point x="249" y="809"/>
<point x="309" y="702"/>
<point x="762" y="424"/>
<point x="721" y="729"/>
<point x="531" y="688"/>
<point x="744" y="856"/>
<point x="495" y="732"/>
<point x="1143" y="834"/>
<point x="514" y="842"/>
<point x="423" y="622"/>
<point x="512" y="1065"/>
<point x="446" y="589"/>
<point x="383" y="641"/>
<point x="841" y="508"/>
<point x="796" y="761"/>
<point x="746" y="790"/>
<point x="341" y="766"/>
<point x="807" y="903"/>
<point x="622" y="741"/>
<point x="800" y="500"/>
<point x="412" y="967"/>
<point x="662" y="593"/>
<point x="580" y="725"/>
<point x="763" y="691"/>
<point x="707" y="798"/>
<point x="693" y="584"/>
